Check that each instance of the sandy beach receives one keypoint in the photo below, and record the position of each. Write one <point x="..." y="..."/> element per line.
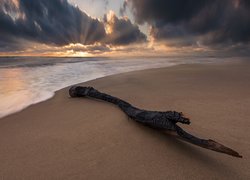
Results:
<point x="79" y="138"/>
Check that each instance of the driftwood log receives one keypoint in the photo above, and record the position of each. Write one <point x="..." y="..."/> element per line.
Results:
<point x="156" y="119"/>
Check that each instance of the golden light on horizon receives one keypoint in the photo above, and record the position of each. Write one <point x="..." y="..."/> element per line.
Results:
<point x="77" y="53"/>
<point x="150" y="48"/>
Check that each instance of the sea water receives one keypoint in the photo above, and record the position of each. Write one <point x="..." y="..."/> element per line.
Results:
<point x="29" y="80"/>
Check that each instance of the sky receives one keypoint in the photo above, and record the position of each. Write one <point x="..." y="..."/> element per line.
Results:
<point x="85" y="28"/>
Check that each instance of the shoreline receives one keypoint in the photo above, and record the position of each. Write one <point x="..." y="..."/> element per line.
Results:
<point x="49" y="95"/>
<point x="82" y="138"/>
<point x="122" y="73"/>
<point x="53" y="94"/>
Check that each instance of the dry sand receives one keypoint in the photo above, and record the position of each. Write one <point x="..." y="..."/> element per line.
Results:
<point x="65" y="138"/>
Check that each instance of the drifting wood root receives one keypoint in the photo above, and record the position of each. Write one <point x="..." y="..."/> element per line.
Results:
<point x="156" y="119"/>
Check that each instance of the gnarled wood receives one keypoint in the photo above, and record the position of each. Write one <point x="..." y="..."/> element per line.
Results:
<point x="156" y="119"/>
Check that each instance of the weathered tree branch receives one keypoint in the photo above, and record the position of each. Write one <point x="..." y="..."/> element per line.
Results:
<point x="155" y="119"/>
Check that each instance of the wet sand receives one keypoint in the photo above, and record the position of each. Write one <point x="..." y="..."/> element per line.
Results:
<point x="79" y="138"/>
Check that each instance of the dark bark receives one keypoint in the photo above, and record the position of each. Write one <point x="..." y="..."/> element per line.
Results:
<point x="156" y="119"/>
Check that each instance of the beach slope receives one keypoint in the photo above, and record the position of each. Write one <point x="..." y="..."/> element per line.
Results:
<point x="79" y="138"/>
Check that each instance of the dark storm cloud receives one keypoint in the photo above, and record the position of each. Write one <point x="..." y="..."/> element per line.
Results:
<point x="188" y="22"/>
<point x="7" y="44"/>
<point x="54" y="22"/>
<point x="122" y="31"/>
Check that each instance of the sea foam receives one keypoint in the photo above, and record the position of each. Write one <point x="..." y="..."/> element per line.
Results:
<point x="28" y="80"/>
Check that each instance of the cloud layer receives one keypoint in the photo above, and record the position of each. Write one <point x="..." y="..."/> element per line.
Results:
<point x="56" y="22"/>
<point x="122" y="31"/>
<point x="207" y="25"/>
<point x="191" y="22"/>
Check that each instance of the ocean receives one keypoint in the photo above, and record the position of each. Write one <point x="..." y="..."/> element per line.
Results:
<point x="28" y="80"/>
